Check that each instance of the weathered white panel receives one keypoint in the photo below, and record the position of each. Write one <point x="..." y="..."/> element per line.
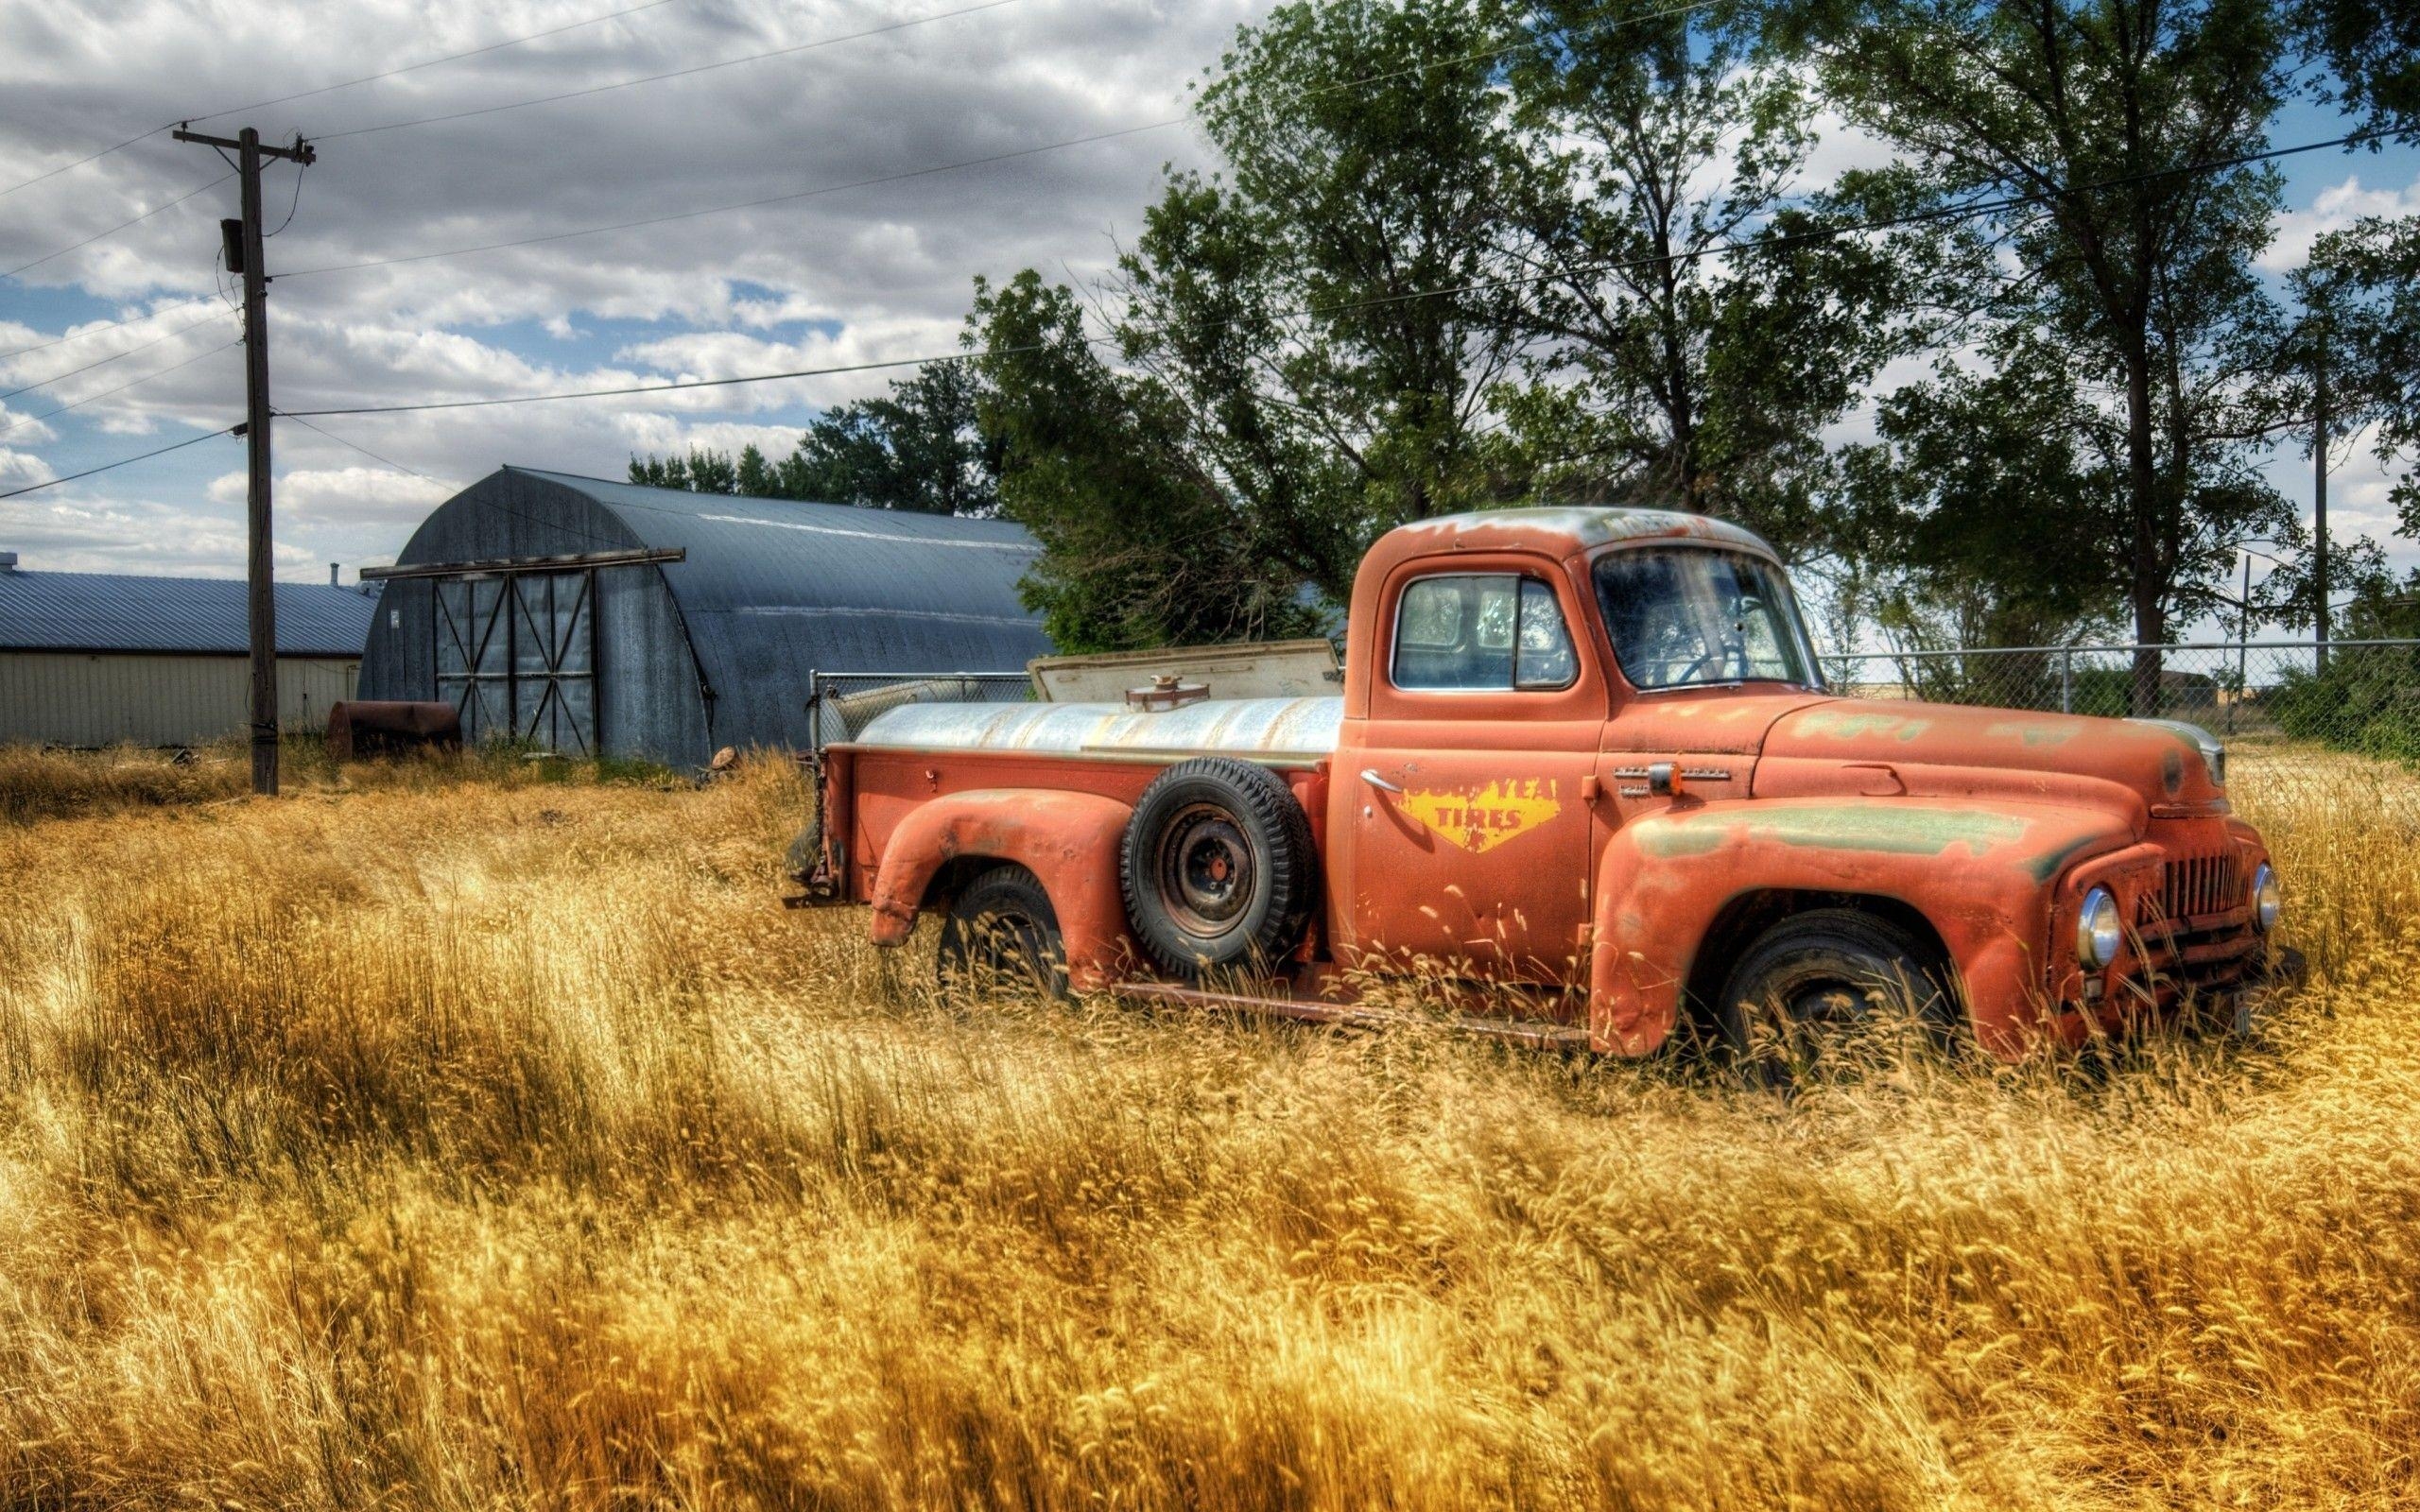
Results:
<point x="78" y="699"/>
<point x="1279" y="730"/>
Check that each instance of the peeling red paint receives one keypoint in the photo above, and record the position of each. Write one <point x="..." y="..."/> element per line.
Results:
<point x="1515" y="838"/>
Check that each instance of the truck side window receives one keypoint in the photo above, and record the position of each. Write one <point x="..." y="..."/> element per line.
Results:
<point x="1480" y="632"/>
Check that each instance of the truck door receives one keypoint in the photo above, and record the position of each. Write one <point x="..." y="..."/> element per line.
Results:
<point x="1466" y="793"/>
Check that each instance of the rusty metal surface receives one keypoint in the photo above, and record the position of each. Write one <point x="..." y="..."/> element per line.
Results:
<point x="1278" y="730"/>
<point x="1564" y="530"/>
<point x="370" y="727"/>
<point x="1529" y="1034"/>
<point x="1520" y="838"/>
<point x="1067" y="840"/>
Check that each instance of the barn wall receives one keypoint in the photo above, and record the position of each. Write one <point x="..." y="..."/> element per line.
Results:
<point x="79" y="698"/>
<point x="649" y="701"/>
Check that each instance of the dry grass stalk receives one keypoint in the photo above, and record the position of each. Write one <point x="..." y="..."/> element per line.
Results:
<point x="479" y="1142"/>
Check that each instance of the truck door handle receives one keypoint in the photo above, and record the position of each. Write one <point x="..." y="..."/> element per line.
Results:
<point x="1370" y="775"/>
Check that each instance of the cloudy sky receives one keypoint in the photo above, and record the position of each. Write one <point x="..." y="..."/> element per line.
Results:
<point x="856" y="275"/>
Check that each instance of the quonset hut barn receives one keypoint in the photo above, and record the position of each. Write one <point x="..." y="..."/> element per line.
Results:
<point x="605" y="618"/>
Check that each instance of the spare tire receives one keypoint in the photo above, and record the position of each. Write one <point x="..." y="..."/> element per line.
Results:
<point x="1218" y="868"/>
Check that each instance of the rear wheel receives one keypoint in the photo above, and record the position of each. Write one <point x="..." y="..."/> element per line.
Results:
<point x="1832" y="985"/>
<point x="1002" y="936"/>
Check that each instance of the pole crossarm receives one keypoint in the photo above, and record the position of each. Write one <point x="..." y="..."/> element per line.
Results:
<point x="302" y="151"/>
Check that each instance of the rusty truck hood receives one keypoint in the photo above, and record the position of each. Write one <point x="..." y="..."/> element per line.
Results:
<point x="1875" y="747"/>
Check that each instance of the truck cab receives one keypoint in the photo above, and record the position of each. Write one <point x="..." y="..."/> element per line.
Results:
<point x="1584" y="773"/>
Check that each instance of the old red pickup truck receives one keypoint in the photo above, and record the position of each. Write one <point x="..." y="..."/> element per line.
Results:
<point x="1585" y="772"/>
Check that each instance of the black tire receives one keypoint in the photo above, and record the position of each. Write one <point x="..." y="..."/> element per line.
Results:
<point x="1218" y="868"/>
<point x="1830" y="976"/>
<point x="1001" y="936"/>
<point x="807" y="849"/>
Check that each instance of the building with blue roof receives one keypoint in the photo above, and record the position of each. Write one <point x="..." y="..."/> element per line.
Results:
<point x="98" y="658"/>
<point x="589" y="616"/>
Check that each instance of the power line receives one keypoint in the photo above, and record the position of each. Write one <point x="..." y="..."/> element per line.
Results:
<point x="92" y="157"/>
<point x="45" y="382"/>
<point x="384" y="461"/>
<point x="113" y="325"/>
<point x="119" y="227"/>
<point x="325" y="89"/>
<point x="639" y="389"/>
<point x="985" y="161"/>
<point x="490" y="504"/>
<point x="119" y="389"/>
<point x="1965" y="211"/>
<point x="432" y="62"/>
<point x="750" y="204"/>
<point x="123" y="462"/>
<point x="676" y="72"/>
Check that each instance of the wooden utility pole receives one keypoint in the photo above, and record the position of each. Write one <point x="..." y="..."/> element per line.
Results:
<point x="2319" y="490"/>
<point x="244" y="247"/>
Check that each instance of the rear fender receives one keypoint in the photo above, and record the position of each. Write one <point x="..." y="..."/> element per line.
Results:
<point x="1069" y="840"/>
<point x="1981" y="874"/>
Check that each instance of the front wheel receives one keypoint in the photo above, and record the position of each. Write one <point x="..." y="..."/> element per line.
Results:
<point x="1819" y="986"/>
<point x="1002" y="935"/>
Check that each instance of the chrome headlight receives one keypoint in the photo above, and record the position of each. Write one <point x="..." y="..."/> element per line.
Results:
<point x="2098" y="930"/>
<point x="2266" y="899"/>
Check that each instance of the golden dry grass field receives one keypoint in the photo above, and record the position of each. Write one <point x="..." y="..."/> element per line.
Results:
<point x="462" y="1140"/>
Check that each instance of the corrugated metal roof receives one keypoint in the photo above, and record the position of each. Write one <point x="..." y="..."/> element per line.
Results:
<point x="772" y="588"/>
<point x="104" y="611"/>
<point x="766" y="590"/>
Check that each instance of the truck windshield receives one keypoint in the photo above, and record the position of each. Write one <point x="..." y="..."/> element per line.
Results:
<point x="1688" y="616"/>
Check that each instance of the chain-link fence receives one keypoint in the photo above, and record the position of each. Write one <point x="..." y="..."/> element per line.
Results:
<point x="840" y="704"/>
<point x="2292" y="713"/>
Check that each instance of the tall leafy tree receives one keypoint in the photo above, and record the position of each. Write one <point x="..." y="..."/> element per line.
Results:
<point x="921" y="449"/>
<point x="1667" y="369"/>
<point x="1305" y="337"/>
<point x="2085" y="130"/>
<point x="1317" y="326"/>
<point x="1971" y="473"/>
<point x="2362" y="284"/>
<point x="1142" y="545"/>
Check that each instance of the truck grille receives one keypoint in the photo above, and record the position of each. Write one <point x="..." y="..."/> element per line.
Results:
<point x="2200" y="884"/>
<point x="2197" y="928"/>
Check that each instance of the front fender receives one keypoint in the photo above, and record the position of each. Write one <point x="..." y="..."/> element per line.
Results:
<point x="1982" y="874"/>
<point x="1069" y="840"/>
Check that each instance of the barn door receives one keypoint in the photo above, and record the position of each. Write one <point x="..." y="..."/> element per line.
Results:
<point x="554" y="661"/>
<point x="474" y="654"/>
<point x="517" y="656"/>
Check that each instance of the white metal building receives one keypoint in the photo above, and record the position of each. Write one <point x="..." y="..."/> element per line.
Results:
<point x="95" y="659"/>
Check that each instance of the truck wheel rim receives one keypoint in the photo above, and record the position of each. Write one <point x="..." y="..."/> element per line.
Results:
<point x="1205" y="871"/>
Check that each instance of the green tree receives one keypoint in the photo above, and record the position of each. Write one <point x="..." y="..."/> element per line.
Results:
<point x="1141" y="545"/>
<point x="919" y="449"/>
<point x="1328" y="311"/>
<point x="1306" y="339"/>
<point x="1666" y="369"/>
<point x="702" y="470"/>
<point x="1970" y="475"/>
<point x="2086" y="129"/>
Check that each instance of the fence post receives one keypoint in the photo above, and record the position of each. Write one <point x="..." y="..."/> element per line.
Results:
<point x="2067" y="681"/>
<point x="815" y="710"/>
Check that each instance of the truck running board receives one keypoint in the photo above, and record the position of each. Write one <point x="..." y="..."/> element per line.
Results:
<point x="1533" y="1034"/>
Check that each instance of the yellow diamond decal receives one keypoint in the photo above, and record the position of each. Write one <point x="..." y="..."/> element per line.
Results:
<point x="1480" y="821"/>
